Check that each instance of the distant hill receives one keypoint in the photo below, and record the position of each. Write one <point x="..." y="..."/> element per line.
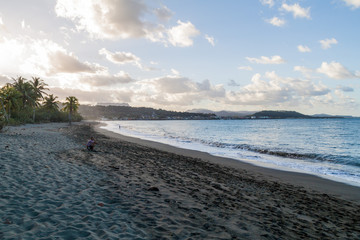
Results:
<point x="233" y="114"/>
<point x="113" y="104"/>
<point x="137" y="113"/>
<point x="123" y="112"/>
<point x="278" y="115"/>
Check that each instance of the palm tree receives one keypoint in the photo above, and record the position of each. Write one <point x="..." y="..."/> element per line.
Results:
<point x="38" y="87"/>
<point x="10" y="99"/>
<point x="26" y="90"/>
<point x="71" y="106"/>
<point x="51" y="103"/>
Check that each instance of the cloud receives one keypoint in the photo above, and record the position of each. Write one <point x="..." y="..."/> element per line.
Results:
<point x="277" y="90"/>
<point x="40" y="57"/>
<point x="345" y="88"/>
<point x="123" y="19"/>
<point x="335" y="70"/>
<point x="276" y="21"/>
<point x="63" y="62"/>
<point x="270" y="3"/>
<point x="182" y="34"/>
<point x="106" y="80"/>
<point x="164" y="13"/>
<point x="175" y="72"/>
<point x="266" y="60"/>
<point x="303" y="49"/>
<point x="296" y="10"/>
<point x="5" y="79"/>
<point x="121" y="57"/>
<point x="353" y="3"/>
<point x="232" y="83"/>
<point x="176" y="91"/>
<point x="91" y="97"/>
<point x="247" y="68"/>
<point x="105" y="19"/>
<point x="210" y="40"/>
<point x="304" y="70"/>
<point x="326" y="43"/>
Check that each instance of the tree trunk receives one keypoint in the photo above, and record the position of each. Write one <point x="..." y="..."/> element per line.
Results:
<point x="70" y="117"/>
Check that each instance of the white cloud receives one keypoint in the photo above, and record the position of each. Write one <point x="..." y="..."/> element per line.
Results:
<point x="335" y="70"/>
<point x="105" y="79"/>
<point x="122" y="19"/>
<point x="267" y="2"/>
<point x="276" y="21"/>
<point x="211" y="40"/>
<point x="105" y="19"/>
<point x="175" y="72"/>
<point x="304" y="70"/>
<point x="121" y="57"/>
<point x="296" y="10"/>
<point x="182" y="34"/>
<point x="303" y="49"/>
<point x="326" y="43"/>
<point x="40" y="57"/>
<point x="247" y="68"/>
<point x="266" y="60"/>
<point x="277" y="90"/>
<point x="176" y="91"/>
<point x="353" y="3"/>
<point x="91" y="97"/>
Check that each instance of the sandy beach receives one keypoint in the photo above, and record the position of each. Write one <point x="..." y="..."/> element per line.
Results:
<point x="53" y="188"/>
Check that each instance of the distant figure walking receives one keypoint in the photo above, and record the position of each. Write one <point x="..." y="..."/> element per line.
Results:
<point x="91" y="144"/>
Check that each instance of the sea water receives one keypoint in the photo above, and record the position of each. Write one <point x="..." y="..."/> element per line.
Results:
<point x="329" y="148"/>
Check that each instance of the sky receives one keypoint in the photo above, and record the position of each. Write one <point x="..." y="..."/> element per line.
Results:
<point x="247" y="55"/>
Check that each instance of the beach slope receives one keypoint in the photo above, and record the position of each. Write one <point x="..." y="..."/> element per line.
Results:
<point x="53" y="187"/>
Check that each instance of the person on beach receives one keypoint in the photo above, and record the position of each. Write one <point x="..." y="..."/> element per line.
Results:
<point x="91" y="144"/>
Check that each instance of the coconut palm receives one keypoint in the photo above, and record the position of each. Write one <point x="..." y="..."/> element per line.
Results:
<point x="26" y="90"/>
<point x="38" y="87"/>
<point x="10" y="99"/>
<point x="50" y="103"/>
<point x="71" y="106"/>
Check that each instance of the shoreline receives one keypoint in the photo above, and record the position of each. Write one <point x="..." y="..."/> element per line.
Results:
<point x="308" y="181"/>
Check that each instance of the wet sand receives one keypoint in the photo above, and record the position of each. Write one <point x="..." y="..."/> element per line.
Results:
<point x="132" y="189"/>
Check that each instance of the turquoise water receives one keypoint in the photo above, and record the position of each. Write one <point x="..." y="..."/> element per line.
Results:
<point x="329" y="148"/>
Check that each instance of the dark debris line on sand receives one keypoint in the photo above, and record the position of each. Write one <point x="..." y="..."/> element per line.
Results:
<point x="200" y="200"/>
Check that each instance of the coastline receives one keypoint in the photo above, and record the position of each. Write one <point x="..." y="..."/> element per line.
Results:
<point x="308" y="181"/>
<point x="52" y="187"/>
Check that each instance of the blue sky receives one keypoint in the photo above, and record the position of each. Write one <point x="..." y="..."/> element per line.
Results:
<point x="180" y="55"/>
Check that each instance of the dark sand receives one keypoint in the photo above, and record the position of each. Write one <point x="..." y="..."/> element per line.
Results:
<point x="206" y="197"/>
<point x="134" y="189"/>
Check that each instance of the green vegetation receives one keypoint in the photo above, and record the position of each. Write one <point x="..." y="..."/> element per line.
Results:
<point x="138" y="113"/>
<point x="278" y="115"/>
<point x="25" y="101"/>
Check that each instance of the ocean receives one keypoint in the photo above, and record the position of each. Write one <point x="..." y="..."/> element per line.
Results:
<point x="329" y="148"/>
